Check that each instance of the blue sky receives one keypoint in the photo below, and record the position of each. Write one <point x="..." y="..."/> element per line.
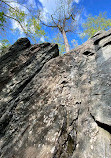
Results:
<point x="93" y="7"/>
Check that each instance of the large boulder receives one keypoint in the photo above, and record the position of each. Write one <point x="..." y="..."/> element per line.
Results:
<point x="56" y="107"/>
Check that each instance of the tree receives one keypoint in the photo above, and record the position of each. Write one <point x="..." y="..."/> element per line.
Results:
<point x="94" y="24"/>
<point x="26" y="21"/>
<point x="58" y="39"/>
<point x="3" y="45"/>
<point x="63" y="18"/>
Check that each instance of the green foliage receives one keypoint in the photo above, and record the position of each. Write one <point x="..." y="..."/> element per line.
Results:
<point x="18" y="14"/>
<point x="34" y="28"/>
<point x="3" y="45"/>
<point x="95" y="23"/>
<point x="2" y="20"/>
<point x="58" y="39"/>
<point x="25" y="19"/>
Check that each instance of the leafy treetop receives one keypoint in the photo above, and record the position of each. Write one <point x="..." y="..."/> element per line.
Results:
<point x="94" y="24"/>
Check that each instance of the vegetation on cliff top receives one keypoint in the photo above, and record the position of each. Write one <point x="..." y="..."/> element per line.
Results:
<point x="63" y="19"/>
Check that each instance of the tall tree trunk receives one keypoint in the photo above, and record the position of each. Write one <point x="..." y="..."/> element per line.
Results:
<point x="65" y="41"/>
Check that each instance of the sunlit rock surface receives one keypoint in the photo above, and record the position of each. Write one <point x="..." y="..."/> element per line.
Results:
<point x="56" y="107"/>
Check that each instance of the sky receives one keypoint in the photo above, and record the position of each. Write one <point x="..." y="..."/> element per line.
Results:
<point x="93" y="7"/>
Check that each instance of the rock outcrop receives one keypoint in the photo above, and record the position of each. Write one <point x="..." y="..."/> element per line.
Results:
<point x="56" y="107"/>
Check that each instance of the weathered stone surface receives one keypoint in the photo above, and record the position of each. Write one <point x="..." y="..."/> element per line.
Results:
<point x="59" y="108"/>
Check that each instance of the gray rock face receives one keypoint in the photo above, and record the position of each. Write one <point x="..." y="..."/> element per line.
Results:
<point x="56" y="108"/>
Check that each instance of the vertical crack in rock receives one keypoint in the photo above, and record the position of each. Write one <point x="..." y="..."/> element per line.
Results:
<point x="67" y="140"/>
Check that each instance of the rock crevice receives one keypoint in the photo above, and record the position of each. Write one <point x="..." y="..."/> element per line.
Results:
<point x="102" y="125"/>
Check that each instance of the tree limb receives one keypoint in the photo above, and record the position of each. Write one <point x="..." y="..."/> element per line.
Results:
<point x="18" y="22"/>
<point x="46" y="24"/>
<point x="14" y="2"/>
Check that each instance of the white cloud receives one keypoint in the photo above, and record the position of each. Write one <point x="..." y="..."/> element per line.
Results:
<point x="77" y="1"/>
<point x="32" y="29"/>
<point x="42" y="39"/>
<point x="14" y="4"/>
<point x="14" y="23"/>
<point x="50" y="6"/>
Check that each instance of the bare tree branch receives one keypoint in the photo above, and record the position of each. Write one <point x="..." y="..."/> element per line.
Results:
<point x="47" y="25"/>
<point x="6" y="2"/>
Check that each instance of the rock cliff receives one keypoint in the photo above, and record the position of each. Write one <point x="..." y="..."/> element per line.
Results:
<point x="55" y="106"/>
